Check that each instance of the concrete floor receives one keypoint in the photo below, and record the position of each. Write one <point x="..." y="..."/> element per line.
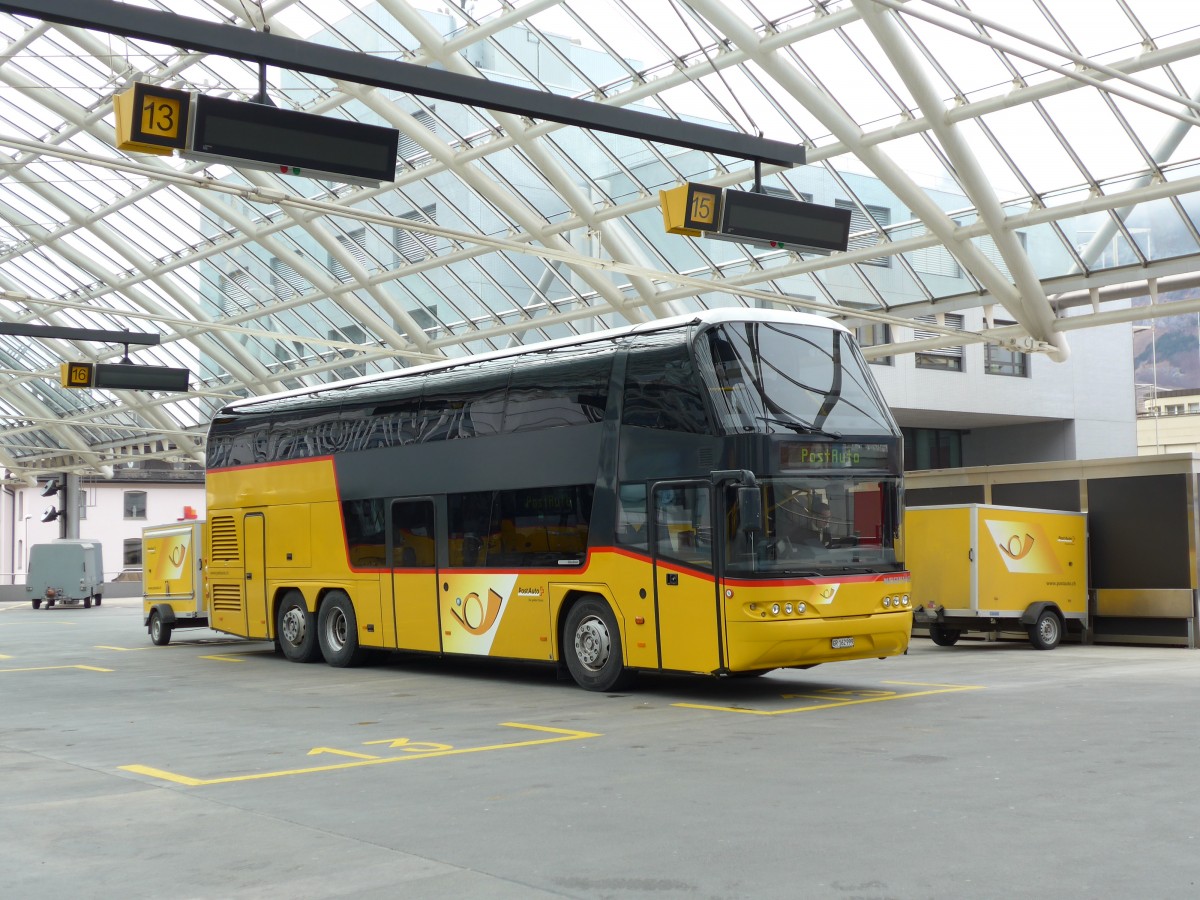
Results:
<point x="212" y="768"/>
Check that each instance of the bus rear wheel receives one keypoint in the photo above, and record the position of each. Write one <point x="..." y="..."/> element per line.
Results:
<point x="296" y="629"/>
<point x="592" y="647"/>
<point x="337" y="631"/>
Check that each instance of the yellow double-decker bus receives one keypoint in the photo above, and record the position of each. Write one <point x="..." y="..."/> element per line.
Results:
<point x="717" y="493"/>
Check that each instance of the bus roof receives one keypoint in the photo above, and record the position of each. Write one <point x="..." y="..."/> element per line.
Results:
<point x="703" y="317"/>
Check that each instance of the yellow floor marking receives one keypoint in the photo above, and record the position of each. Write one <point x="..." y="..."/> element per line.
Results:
<point x="48" y="668"/>
<point x="316" y="751"/>
<point x="223" y="658"/>
<point x="561" y="734"/>
<point x="120" y="649"/>
<point x="411" y="746"/>
<point x="3" y="656"/>
<point x="879" y="697"/>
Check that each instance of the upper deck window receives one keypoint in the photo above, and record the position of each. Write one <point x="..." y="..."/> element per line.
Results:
<point x="792" y="378"/>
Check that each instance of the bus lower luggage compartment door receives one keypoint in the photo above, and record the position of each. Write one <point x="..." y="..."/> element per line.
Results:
<point x="256" y="576"/>
<point x="684" y="582"/>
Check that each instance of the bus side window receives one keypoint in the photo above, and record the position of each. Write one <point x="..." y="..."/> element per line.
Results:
<point x="412" y="534"/>
<point x="631" y="517"/>
<point x="684" y="525"/>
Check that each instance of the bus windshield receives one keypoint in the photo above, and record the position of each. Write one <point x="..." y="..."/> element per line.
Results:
<point x="788" y="378"/>
<point x="818" y="526"/>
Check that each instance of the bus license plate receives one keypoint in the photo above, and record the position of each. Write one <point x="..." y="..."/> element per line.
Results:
<point x="842" y="643"/>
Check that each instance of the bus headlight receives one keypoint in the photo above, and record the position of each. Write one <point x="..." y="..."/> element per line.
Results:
<point x="887" y="601"/>
<point x="904" y="600"/>
<point x="774" y="609"/>
<point x="801" y="607"/>
<point x="787" y="608"/>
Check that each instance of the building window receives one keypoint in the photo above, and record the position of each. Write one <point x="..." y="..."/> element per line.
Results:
<point x="931" y="448"/>
<point x="864" y="228"/>
<point x="999" y="360"/>
<point x="876" y="334"/>
<point x="135" y="504"/>
<point x="132" y="554"/>
<point x="948" y="359"/>
<point x="83" y="504"/>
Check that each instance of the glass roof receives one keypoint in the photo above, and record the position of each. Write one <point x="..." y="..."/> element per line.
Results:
<point x="1026" y="156"/>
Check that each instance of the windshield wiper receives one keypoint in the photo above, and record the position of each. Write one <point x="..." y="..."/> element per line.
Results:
<point x="801" y="427"/>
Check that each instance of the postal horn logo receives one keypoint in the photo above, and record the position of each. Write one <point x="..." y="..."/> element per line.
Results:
<point x="1024" y="547"/>
<point x="474" y="615"/>
<point x="1017" y="548"/>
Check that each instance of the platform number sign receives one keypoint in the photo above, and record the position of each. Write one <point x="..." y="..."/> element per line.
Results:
<point x="703" y="207"/>
<point x="77" y="375"/>
<point x="160" y="116"/>
<point x="152" y="119"/>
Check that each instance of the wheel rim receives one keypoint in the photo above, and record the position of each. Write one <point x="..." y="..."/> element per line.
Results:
<point x="156" y="627"/>
<point x="293" y="625"/>
<point x="593" y="643"/>
<point x="1048" y="630"/>
<point x="336" y="630"/>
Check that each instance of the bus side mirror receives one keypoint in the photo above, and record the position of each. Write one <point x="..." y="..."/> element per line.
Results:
<point x="750" y="509"/>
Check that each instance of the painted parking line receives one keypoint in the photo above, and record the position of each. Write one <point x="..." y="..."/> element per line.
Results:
<point x="49" y="668"/>
<point x="415" y="750"/>
<point x="223" y="658"/>
<point x="836" y="698"/>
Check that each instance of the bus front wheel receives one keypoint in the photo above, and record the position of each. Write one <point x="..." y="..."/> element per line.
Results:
<point x="592" y="647"/>
<point x="296" y="629"/>
<point x="337" y="631"/>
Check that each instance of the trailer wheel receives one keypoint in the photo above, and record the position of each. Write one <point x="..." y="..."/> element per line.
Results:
<point x="97" y="598"/>
<point x="337" y="632"/>
<point x="1046" y="632"/>
<point x="87" y="602"/>
<point x="297" y="629"/>
<point x="592" y="647"/>
<point x="943" y="636"/>
<point x="160" y="631"/>
<point x="37" y="604"/>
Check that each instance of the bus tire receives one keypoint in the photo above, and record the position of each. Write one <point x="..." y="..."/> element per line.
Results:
<point x="337" y="631"/>
<point x="1046" y="632"/>
<point x="296" y="628"/>
<point x="592" y="647"/>
<point x="943" y="636"/>
<point x="37" y="604"/>
<point x="160" y="631"/>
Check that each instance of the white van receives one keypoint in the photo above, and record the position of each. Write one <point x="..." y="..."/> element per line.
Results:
<point x="65" y="571"/>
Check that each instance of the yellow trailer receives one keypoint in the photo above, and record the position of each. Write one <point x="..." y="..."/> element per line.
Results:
<point x="978" y="567"/>
<point x="172" y="579"/>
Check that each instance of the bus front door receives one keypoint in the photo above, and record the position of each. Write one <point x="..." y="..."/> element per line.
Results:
<point x="413" y="553"/>
<point x="685" y="588"/>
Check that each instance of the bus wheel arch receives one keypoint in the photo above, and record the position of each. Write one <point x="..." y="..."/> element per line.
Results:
<point x="591" y="645"/>
<point x="296" y="628"/>
<point x="337" y="630"/>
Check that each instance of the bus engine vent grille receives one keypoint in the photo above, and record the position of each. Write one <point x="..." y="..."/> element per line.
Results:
<point x="224" y="540"/>
<point x="227" y="598"/>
